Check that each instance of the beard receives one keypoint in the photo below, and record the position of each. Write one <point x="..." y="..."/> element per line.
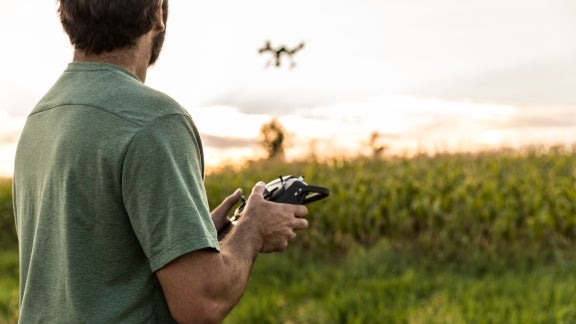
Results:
<point x="158" y="41"/>
<point x="157" y="44"/>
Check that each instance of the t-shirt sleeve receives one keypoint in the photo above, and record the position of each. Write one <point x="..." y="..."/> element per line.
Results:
<point x="164" y="193"/>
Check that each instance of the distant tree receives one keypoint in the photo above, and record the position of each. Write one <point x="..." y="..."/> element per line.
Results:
<point x="272" y="138"/>
<point x="376" y="145"/>
<point x="313" y="149"/>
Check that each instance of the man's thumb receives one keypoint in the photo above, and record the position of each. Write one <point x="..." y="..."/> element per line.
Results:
<point x="259" y="188"/>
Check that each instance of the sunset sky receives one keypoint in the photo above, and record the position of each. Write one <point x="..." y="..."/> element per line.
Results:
<point x="443" y="73"/>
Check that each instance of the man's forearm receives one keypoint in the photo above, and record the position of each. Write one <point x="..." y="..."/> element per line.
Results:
<point x="238" y="253"/>
<point x="205" y="285"/>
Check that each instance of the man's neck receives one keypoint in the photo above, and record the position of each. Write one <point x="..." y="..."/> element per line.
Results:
<point x="131" y="60"/>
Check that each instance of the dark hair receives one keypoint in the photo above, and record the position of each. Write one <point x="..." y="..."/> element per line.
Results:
<point x="97" y="26"/>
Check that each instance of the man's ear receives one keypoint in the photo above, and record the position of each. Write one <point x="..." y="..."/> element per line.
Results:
<point x="160" y="25"/>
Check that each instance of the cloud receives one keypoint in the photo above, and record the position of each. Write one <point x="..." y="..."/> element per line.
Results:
<point x="271" y="103"/>
<point x="248" y="104"/>
<point x="220" y="142"/>
<point x="10" y="127"/>
<point x="551" y="118"/>
<point x="9" y="137"/>
<point x="548" y="83"/>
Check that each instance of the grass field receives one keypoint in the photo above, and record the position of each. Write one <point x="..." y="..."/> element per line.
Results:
<point x="8" y="286"/>
<point x="453" y="238"/>
<point x="380" y="286"/>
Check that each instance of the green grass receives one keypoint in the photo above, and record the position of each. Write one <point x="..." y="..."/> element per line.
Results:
<point x="7" y="228"/>
<point x="380" y="286"/>
<point x="452" y="238"/>
<point x="8" y="286"/>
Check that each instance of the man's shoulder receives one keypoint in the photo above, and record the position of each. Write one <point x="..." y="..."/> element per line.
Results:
<point x="124" y="94"/>
<point x="112" y="90"/>
<point x="160" y="103"/>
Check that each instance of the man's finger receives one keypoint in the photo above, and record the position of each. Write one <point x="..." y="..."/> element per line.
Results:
<point x="300" y="211"/>
<point x="259" y="188"/>
<point x="301" y="224"/>
<point x="232" y="199"/>
<point x="236" y="195"/>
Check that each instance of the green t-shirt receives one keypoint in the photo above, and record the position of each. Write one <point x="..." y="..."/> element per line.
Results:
<point x="108" y="188"/>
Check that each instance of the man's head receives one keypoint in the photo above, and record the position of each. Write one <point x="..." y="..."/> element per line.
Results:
<point x="98" y="26"/>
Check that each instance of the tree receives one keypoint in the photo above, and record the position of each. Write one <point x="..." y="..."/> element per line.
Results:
<point x="272" y="138"/>
<point x="376" y="145"/>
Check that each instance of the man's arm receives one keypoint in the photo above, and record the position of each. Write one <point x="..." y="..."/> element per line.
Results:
<point x="204" y="285"/>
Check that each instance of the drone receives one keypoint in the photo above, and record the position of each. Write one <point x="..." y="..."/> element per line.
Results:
<point x="279" y="52"/>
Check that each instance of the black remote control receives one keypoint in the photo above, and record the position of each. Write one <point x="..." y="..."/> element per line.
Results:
<point x="289" y="190"/>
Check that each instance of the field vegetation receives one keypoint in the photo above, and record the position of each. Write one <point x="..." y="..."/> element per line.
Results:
<point x="483" y="237"/>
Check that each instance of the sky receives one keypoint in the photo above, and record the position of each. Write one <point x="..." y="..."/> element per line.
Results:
<point x="445" y="74"/>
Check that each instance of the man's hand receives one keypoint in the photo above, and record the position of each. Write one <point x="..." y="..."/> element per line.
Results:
<point x="273" y="224"/>
<point x="220" y="213"/>
<point x="204" y="285"/>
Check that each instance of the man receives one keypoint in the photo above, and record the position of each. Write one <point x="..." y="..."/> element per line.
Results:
<point x="109" y="201"/>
